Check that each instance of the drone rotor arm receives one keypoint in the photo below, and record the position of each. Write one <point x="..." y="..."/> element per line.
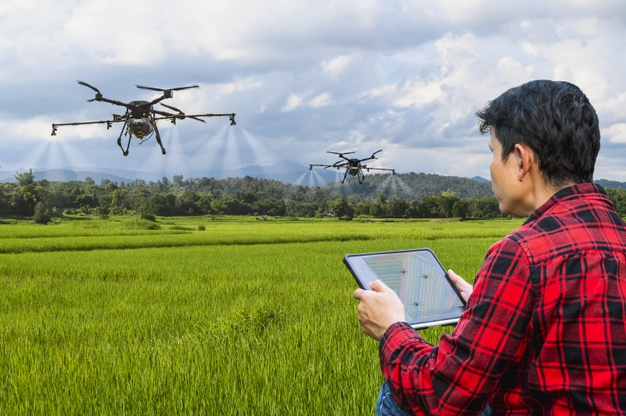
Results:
<point x="100" y="97"/>
<point x="114" y="102"/>
<point x="373" y="156"/>
<point x="159" y="99"/>
<point x="180" y="114"/>
<point x="165" y="114"/>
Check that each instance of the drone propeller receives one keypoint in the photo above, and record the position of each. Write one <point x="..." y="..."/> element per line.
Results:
<point x="378" y="151"/>
<point x="89" y="86"/>
<point x="171" y="107"/>
<point x="180" y="114"/>
<point x="167" y="89"/>
<point x="167" y="92"/>
<point x="340" y="153"/>
<point x="98" y="93"/>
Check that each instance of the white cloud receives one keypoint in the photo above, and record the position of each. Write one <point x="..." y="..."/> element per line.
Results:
<point x="337" y="65"/>
<point x="410" y="72"/>
<point x="616" y="133"/>
<point x="322" y="100"/>
<point x="293" y="102"/>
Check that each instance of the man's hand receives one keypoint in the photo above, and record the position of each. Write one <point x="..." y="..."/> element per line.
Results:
<point x="464" y="287"/>
<point x="379" y="309"/>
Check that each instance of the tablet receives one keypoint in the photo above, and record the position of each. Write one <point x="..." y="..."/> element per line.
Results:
<point x="429" y="296"/>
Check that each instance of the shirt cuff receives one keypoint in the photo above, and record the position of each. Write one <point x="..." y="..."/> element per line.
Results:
<point x="396" y="335"/>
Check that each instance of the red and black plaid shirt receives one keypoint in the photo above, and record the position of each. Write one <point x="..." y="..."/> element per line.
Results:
<point x="545" y="327"/>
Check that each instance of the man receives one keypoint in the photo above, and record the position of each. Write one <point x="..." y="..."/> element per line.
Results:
<point x="544" y="331"/>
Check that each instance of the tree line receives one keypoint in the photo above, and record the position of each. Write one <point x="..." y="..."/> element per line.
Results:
<point x="43" y="200"/>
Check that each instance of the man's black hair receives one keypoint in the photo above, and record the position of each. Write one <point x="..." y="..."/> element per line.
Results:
<point x="556" y="120"/>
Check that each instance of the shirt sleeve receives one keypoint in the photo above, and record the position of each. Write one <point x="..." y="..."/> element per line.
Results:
<point x="459" y="374"/>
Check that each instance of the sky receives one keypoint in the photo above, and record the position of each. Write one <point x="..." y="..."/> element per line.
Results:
<point x="303" y="77"/>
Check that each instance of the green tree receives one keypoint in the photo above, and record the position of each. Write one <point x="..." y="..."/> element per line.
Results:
<point x="397" y="207"/>
<point x="445" y="201"/>
<point x="342" y="209"/>
<point x="24" y="178"/>
<point x="380" y="207"/>
<point x="461" y="209"/>
<point x="103" y="210"/>
<point x="41" y="213"/>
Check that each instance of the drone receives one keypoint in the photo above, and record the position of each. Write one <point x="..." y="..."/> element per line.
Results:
<point x="353" y="166"/>
<point x="140" y="118"/>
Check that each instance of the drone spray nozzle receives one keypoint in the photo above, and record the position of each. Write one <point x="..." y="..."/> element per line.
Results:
<point x="232" y="120"/>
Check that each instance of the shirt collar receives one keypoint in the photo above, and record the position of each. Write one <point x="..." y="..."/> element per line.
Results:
<point x="567" y="193"/>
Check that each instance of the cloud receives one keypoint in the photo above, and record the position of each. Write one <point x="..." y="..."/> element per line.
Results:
<point x="322" y="100"/>
<point x="293" y="102"/>
<point x="336" y="66"/>
<point x="304" y="77"/>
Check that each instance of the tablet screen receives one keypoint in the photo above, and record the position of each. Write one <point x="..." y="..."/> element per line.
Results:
<point x="419" y="280"/>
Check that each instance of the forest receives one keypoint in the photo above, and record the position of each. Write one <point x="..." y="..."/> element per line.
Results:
<point x="408" y="196"/>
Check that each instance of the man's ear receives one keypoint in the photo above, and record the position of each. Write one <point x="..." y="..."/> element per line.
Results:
<point x="525" y="160"/>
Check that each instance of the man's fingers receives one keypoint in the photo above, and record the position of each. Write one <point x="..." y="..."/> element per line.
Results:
<point x="458" y="280"/>
<point x="376" y="286"/>
<point x="379" y="286"/>
<point x="460" y="283"/>
<point x="453" y="276"/>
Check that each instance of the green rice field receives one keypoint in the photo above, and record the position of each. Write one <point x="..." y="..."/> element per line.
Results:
<point x="200" y="316"/>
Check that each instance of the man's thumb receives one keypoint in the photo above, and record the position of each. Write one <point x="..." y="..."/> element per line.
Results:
<point x="379" y="286"/>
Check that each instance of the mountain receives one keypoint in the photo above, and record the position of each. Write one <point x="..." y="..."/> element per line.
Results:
<point x="285" y="171"/>
<point x="66" y="175"/>
<point x="610" y="184"/>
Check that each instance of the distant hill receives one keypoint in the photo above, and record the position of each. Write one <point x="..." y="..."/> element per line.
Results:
<point x="284" y="171"/>
<point x="66" y="175"/>
<point x="414" y="186"/>
<point x="610" y="184"/>
<point x="410" y="186"/>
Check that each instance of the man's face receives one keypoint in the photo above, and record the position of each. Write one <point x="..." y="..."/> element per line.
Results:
<point x="504" y="179"/>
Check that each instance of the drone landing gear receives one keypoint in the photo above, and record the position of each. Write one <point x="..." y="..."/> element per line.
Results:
<point x="119" y="141"/>
<point x="158" y="139"/>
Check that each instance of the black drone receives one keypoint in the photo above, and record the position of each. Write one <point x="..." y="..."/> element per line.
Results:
<point x="353" y="166"/>
<point x="140" y="119"/>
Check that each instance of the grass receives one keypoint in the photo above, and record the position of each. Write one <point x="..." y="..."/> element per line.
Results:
<point x="244" y="317"/>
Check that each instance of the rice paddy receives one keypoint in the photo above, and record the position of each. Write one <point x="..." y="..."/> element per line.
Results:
<point x="200" y="316"/>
